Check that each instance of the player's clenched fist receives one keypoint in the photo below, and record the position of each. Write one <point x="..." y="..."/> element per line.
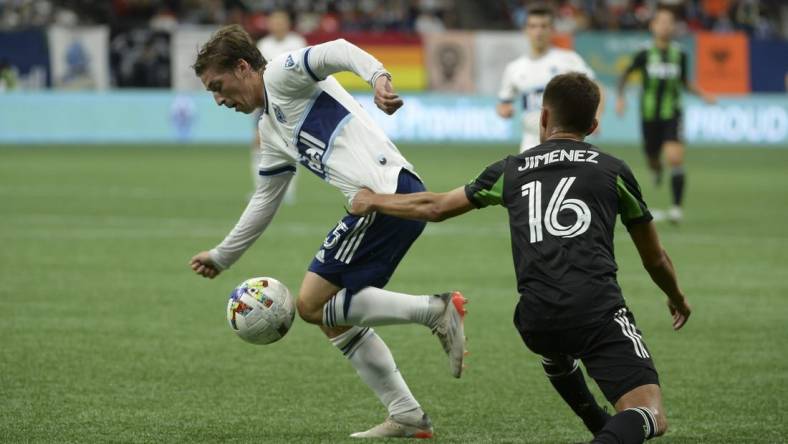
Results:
<point x="203" y="265"/>
<point x="362" y="202"/>
<point x="385" y="97"/>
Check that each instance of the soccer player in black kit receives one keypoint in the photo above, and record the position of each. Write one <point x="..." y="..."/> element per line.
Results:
<point x="563" y="197"/>
<point x="663" y="68"/>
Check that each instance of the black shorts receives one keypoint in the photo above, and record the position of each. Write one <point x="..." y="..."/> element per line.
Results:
<point x="657" y="132"/>
<point x="613" y="353"/>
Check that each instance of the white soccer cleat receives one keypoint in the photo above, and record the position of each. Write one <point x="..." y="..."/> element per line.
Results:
<point x="675" y="215"/>
<point x="658" y="215"/>
<point x="393" y="428"/>
<point x="450" y="330"/>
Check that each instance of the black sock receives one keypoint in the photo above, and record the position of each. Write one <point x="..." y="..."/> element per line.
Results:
<point x="677" y="185"/>
<point x="568" y="381"/>
<point x="631" y="426"/>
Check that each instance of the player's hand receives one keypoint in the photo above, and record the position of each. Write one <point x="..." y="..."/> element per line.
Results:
<point x="621" y="105"/>
<point x="362" y="202"/>
<point x="505" y="110"/>
<point x="203" y="265"/>
<point x="709" y="99"/>
<point x="385" y="98"/>
<point x="680" y="312"/>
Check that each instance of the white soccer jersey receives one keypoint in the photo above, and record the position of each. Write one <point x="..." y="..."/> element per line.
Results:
<point x="271" y="47"/>
<point x="525" y="79"/>
<point x="310" y="119"/>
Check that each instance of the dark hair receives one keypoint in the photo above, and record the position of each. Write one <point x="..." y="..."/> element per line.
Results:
<point x="541" y="9"/>
<point x="225" y="47"/>
<point x="661" y="7"/>
<point x="572" y="99"/>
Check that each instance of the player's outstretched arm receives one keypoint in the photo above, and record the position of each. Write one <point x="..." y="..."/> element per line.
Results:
<point x="433" y="207"/>
<point x="638" y="62"/>
<point x="254" y="220"/>
<point x="340" y="55"/>
<point x="658" y="264"/>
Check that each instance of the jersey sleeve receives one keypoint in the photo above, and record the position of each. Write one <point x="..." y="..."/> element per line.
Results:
<point x="487" y="188"/>
<point x="320" y="61"/>
<point x="638" y="62"/>
<point x="285" y="75"/>
<point x="631" y="206"/>
<point x="684" y="67"/>
<point x="254" y="220"/>
<point x="508" y="91"/>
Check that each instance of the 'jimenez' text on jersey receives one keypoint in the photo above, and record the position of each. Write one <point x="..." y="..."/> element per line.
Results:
<point x="563" y="197"/>
<point x="664" y="73"/>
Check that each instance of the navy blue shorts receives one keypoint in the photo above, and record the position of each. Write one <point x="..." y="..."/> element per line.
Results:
<point x="364" y="251"/>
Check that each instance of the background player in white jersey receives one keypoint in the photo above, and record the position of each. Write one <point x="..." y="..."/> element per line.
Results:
<point x="525" y="78"/>
<point x="280" y="39"/>
<point x="310" y="119"/>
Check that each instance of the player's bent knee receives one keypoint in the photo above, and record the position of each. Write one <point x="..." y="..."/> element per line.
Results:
<point x="309" y="312"/>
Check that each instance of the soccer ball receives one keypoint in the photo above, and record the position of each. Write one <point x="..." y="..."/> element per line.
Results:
<point x="260" y="310"/>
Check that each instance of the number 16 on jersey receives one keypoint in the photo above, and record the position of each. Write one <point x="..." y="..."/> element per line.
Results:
<point x="558" y="203"/>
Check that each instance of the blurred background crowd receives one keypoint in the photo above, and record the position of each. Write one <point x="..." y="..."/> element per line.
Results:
<point x="758" y="18"/>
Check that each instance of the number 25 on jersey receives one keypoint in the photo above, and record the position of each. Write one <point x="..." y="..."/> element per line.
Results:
<point x="558" y="203"/>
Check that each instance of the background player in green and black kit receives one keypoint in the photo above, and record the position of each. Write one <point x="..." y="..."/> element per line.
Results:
<point x="563" y="197"/>
<point x="663" y="67"/>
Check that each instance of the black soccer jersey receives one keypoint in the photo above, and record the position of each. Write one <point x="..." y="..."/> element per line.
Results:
<point x="563" y="197"/>
<point x="664" y="75"/>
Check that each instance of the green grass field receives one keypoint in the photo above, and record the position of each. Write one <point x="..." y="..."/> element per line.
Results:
<point x="106" y="335"/>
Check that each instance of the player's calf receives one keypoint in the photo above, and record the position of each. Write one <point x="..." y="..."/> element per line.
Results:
<point x="640" y="417"/>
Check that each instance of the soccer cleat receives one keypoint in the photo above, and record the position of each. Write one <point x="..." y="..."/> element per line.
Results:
<point x="399" y="428"/>
<point x="675" y="215"/>
<point x="450" y="330"/>
<point x="658" y="215"/>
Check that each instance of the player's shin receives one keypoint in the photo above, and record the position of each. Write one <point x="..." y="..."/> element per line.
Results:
<point x="374" y="363"/>
<point x="566" y="377"/>
<point x="372" y="306"/>
<point x="630" y="426"/>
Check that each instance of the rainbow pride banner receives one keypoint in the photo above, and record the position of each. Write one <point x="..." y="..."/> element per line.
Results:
<point x="401" y="54"/>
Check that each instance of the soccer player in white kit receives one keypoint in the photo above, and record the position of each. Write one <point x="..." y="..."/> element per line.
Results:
<point x="279" y="40"/>
<point x="316" y="123"/>
<point x="525" y="78"/>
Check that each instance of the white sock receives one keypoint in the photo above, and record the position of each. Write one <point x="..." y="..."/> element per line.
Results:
<point x="372" y="306"/>
<point x="373" y="362"/>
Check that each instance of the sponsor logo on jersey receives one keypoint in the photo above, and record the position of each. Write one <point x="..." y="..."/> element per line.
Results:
<point x="289" y="62"/>
<point x="663" y="70"/>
